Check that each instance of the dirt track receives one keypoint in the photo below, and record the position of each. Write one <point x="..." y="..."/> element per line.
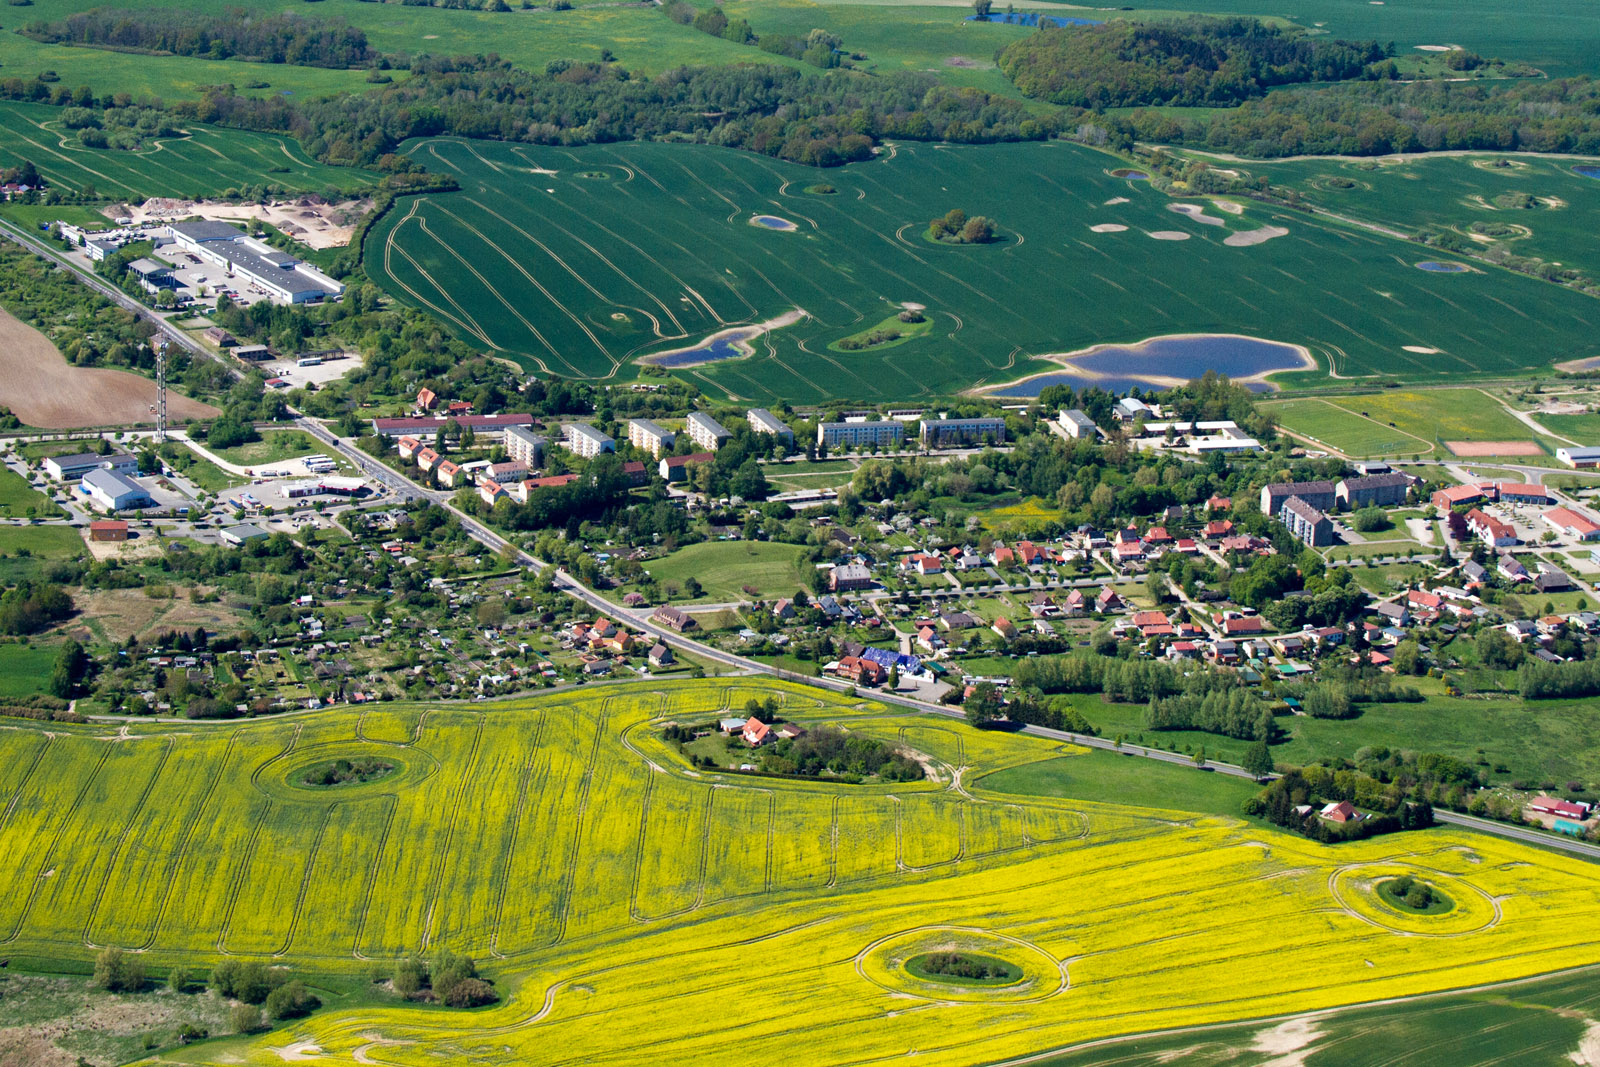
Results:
<point x="44" y="390"/>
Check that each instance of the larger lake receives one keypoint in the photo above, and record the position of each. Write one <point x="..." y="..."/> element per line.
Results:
<point x="1165" y="361"/>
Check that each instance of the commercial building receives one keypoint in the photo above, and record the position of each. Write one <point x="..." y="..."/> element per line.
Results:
<point x="860" y="434"/>
<point x="647" y="436"/>
<point x="287" y="280"/>
<point x="1307" y="523"/>
<point x="764" y="421"/>
<point x="309" y="487"/>
<point x="1579" y="457"/>
<point x="1374" y="490"/>
<point x="238" y="535"/>
<point x="587" y="441"/>
<point x="849" y="576"/>
<point x="941" y="433"/>
<point x="1319" y="495"/>
<point x="525" y="446"/>
<point x="113" y="491"/>
<point x="488" y="427"/>
<point x="71" y="468"/>
<point x="1573" y="523"/>
<point x="706" y="431"/>
<point x="1076" y="424"/>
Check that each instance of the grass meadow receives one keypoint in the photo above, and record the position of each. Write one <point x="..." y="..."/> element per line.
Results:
<point x="205" y="163"/>
<point x="724" y="568"/>
<point x="577" y="275"/>
<point x="1403" y="423"/>
<point x="1584" y="429"/>
<point x="25" y="669"/>
<point x="565" y="846"/>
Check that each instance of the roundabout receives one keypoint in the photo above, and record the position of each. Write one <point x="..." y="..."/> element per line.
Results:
<point x="962" y="964"/>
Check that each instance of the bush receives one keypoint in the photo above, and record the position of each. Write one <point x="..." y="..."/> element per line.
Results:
<point x="179" y="979"/>
<point x="470" y="993"/>
<point x="117" y="972"/>
<point x="246" y="1018"/>
<point x="291" y="1001"/>
<point x="449" y="970"/>
<point x="250" y="982"/>
<point x="410" y="975"/>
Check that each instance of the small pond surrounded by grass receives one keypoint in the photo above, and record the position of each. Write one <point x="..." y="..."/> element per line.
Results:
<point x="772" y="222"/>
<point x="1587" y="172"/>
<point x="1437" y="267"/>
<point x="1166" y="361"/>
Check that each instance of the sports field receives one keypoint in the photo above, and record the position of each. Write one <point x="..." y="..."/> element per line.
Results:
<point x="1405" y="422"/>
<point x="577" y="261"/>
<point x="207" y="162"/>
<point x="561" y="843"/>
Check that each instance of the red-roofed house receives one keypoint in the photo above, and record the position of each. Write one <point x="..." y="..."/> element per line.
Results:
<point x="756" y="733"/>
<point x="1074" y="604"/>
<point x="1157" y="535"/>
<point x="427" y="459"/>
<point x="1519" y="493"/>
<point x="1343" y="811"/>
<point x="427" y="399"/>
<point x="1142" y="619"/>
<point x="492" y="492"/>
<point x="1129" y="551"/>
<point x="1218" y="528"/>
<point x="1003" y="554"/>
<point x="1566" y="809"/>
<point x="447" y="473"/>
<point x="1220" y="503"/>
<point x="408" y="447"/>
<point x="1490" y="530"/>
<point x="1004" y="627"/>
<point x="1445" y="499"/>
<point x="1251" y="624"/>
<point x="862" y="671"/>
<point x="1416" y="599"/>
<point x="928" y="564"/>
<point x="1029" y="553"/>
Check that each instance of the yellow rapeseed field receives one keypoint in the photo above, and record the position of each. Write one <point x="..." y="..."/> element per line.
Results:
<point x="633" y="910"/>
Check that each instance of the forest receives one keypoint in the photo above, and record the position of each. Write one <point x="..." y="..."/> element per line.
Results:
<point x="1194" y="62"/>
<point x="234" y="34"/>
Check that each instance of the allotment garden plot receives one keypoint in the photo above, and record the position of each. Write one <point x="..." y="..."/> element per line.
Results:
<point x="578" y="262"/>
<point x="626" y="903"/>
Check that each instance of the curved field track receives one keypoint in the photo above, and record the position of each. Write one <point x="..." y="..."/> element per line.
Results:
<point x="44" y="390"/>
<point x="622" y="899"/>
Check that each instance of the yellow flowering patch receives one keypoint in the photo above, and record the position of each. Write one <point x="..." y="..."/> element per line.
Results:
<point x="632" y="909"/>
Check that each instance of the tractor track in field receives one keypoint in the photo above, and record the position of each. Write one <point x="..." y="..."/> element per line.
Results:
<point x="122" y="839"/>
<point x="305" y="881"/>
<point x="523" y="780"/>
<point x="463" y="318"/>
<point x="442" y="854"/>
<point x="46" y="863"/>
<point x="372" y="877"/>
<point x="569" y="874"/>
<point x="237" y="880"/>
<point x="180" y="854"/>
<point x="27" y="776"/>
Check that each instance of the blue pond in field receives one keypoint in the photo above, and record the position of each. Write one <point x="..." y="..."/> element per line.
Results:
<point x="772" y="222"/>
<point x="1442" y="268"/>
<point x="1587" y="172"/>
<point x="1160" y="360"/>
<point x="729" y="344"/>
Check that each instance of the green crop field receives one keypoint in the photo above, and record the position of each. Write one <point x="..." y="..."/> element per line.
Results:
<point x="1555" y="35"/>
<point x="25" y="669"/>
<point x="575" y="854"/>
<point x="1098" y="775"/>
<point x="1538" y="1023"/>
<point x="1473" y="196"/>
<point x="578" y="275"/>
<point x="724" y="568"/>
<point x="205" y="163"/>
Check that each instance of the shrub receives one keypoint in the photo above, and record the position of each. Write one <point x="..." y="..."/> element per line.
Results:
<point x="291" y="1001"/>
<point x="410" y="975"/>
<point x="250" y="982"/>
<point x="470" y="993"/>
<point x="117" y="972"/>
<point x="246" y="1018"/>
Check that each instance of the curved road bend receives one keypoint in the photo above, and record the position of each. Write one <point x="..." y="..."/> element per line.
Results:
<point x="566" y="583"/>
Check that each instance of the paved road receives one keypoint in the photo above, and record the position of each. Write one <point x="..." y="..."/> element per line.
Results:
<point x="641" y="621"/>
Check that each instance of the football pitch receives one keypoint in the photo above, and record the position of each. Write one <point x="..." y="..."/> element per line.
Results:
<point x="599" y="879"/>
<point x="576" y="262"/>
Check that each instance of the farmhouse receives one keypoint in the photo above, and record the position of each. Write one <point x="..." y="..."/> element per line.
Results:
<point x="525" y="446"/>
<point x="862" y="671"/>
<point x="286" y="279"/>
<point x="71" y="468"/>
<point x="648" y="437"/>
<point x="1490" y="530"/>
<point x="1343" y="811"/>
<point x="667" y="615"/>
<point x="705" y="431"/>
<point x="860" y="434"/>
<point x="113" y="491"/>
<point x="763" y="421"/>
<point x="1567" y="809"/>
<point x="755" y="732"/>
<point x="587" y="441"/>
<point x="939" y="433"/>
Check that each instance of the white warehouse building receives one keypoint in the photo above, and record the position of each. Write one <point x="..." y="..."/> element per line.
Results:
<point x="286" y="279"/>
<point x="113" y="491"/>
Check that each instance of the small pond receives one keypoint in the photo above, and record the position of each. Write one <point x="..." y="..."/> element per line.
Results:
<point x="1122" y="367"/>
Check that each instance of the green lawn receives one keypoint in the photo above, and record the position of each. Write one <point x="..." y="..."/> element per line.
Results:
<point x="25" y="669"/>
<point x="30" y="215"/>
<point x="44" y="542"/>
<point x="1113" y="777"/>
<point x="512" y="262"/>
<point x="207" y="162"/>
<point x="275" y="445"/>
<point x="17" y="496"/>
<point x="1439" y="414"/>
<point x="1343" y="430"/>
<point x="1538" y="1023"/>
<point x="724" y="568"/>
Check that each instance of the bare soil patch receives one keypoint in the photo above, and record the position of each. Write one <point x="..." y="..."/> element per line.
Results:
<point x="1494" y="448"/>
<point x="309" y="219"/>
<point x="1108" y="227"/>
<point x="1195" y="212"/>
<point x="1254" y="237"/>
<point x="44" y="390"/>
<point x="1167" y="235"/>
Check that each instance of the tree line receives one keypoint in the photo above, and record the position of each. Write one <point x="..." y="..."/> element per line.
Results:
<point x="1192" y="62"/>
<point x="236" y="33"/>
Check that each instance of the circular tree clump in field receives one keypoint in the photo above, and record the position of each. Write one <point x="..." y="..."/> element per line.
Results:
<point x="957" y="228"/>
<point x="595" y="175"/>
<point x="821" y="189"/>
<point x="964" y="968"/>
<point x="1413" y="896"/>
<point x="337" y="772"/>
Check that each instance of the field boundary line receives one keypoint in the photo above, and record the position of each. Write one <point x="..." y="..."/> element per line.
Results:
<point x="27" y="776"/>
